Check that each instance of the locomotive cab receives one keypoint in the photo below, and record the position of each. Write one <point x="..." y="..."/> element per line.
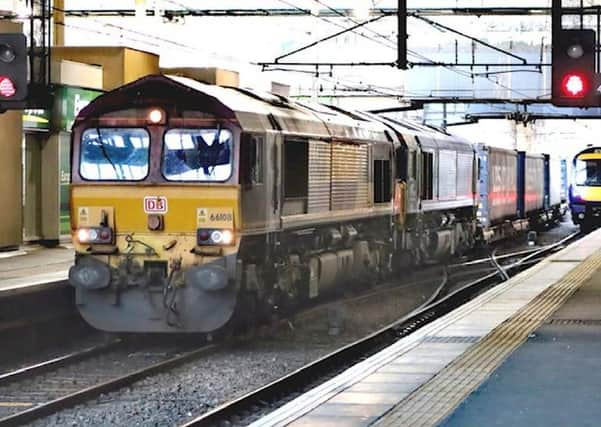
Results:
<point x="155" y="201"/>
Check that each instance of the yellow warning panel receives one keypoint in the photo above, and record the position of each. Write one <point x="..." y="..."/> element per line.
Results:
<point x="93" y="216"/>
<point x="215" y="217"/>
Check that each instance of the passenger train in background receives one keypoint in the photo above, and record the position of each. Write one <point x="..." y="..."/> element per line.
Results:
<point x="195" y="205"/>
<point x="585" y="188"/>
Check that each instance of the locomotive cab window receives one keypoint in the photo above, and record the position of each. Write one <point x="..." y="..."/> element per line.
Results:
<point x="114" y="154"/>
<point x="251" y="160"/>
<point x="197" y="155"/>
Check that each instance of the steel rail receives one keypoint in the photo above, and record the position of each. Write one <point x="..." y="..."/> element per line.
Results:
<point x="57" y="362"/>
<point x="339" y="360"/>
<point x="498" y="257"/>
<point x="495" y="263"/>
<point x="83" y="395"/>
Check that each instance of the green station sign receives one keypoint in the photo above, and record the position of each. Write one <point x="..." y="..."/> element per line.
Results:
<point x="69" y="102"/>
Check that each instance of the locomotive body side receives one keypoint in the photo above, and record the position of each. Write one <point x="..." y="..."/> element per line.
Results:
<point x="442" y="169"/>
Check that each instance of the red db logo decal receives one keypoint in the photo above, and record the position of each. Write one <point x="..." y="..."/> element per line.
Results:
<point x="155" y="204"/>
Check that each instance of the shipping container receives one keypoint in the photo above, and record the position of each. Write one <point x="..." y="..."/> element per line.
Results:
<point x="497" y="184"/>
<point x="531" y="183"/>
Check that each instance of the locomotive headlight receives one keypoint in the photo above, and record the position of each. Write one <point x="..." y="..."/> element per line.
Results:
<point x="95" y="235"/>
<point x="222" y="237"/>
<point x="227" y="237"/>
<point x="217" y="237"/>
<point x="85" y="235"/>
<point x="156" y="116"/>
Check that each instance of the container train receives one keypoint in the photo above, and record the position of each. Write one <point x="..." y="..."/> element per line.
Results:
<point x="196" y="206"/>
<point x="585" y="190"/>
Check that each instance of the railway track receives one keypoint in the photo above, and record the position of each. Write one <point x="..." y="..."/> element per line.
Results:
<point x="42" y="389"/>
<point x="244" y="409"/>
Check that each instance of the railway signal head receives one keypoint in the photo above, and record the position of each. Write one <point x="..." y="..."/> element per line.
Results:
<point x="573" y="69"/>
<point x="13" y="67"/>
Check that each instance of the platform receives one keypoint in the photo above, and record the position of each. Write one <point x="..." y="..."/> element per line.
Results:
<point x="518" y="354"/>
<point x="33" y="266"/>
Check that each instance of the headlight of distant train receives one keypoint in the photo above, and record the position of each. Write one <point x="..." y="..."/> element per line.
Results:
<point x="95" y="235"/>
<point x="218" y="237"/>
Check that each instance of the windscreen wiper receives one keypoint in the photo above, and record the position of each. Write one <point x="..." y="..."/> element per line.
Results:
<point x="106" y="154"/>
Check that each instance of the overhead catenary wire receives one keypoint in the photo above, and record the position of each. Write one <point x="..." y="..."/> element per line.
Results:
<point x="159" y="42"/>
<point x="392" y="45"/>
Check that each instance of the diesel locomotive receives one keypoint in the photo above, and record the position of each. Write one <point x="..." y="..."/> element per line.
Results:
<point x="194" y="205"/>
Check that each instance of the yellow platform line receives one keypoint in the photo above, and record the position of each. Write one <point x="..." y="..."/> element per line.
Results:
<point x="434" y="401"/>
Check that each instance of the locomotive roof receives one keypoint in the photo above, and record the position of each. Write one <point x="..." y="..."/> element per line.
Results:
<point x="425" y="136"/>
<point x="254" y="111"/>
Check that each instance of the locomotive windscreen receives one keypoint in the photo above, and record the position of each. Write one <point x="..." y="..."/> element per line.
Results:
<point x="588" y="172"/>
<point x="114" y="154"/>
<point x="197" y="155"/>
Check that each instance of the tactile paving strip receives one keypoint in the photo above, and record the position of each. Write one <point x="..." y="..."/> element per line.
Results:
<point x="435" y="400"/>
<point x="452" y="339"/>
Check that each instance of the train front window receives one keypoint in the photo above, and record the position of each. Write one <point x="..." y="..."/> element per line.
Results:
<point x="114" y="154"/>
<point x="588" y="172"/>
<point x="197" y="155"/>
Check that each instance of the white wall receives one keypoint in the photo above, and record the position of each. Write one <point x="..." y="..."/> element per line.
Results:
<point x="563" y="138"/>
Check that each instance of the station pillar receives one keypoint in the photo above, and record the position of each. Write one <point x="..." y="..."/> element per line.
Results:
<point x="11" y="125"/>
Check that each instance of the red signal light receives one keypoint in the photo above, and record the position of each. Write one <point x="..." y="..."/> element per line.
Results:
<point x="7" y="87"/>
<point x="574" y="85"/>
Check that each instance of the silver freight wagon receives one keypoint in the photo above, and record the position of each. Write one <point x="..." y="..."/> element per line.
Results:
<point x="497" y="185"/>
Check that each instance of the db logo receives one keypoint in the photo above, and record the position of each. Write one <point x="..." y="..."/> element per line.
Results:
<point x="155" y="204"/>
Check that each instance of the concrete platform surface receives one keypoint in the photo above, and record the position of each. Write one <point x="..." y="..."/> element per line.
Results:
<point x="34" y="266"/>
<point x="422" y="378"/>
<point x="553" y="379"/>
